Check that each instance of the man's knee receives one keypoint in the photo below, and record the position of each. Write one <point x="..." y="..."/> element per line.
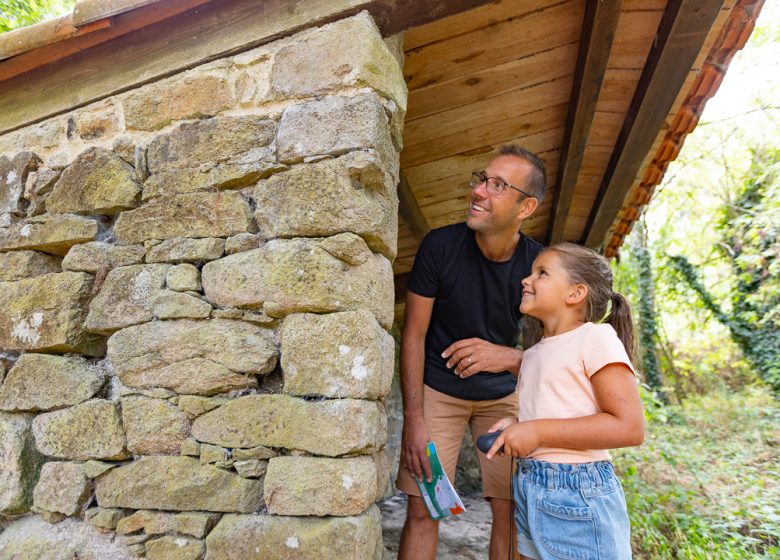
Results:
<point x="417" y="513"/>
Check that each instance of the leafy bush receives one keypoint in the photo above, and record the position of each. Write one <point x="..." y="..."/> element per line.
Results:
<point x="705" y="483"/>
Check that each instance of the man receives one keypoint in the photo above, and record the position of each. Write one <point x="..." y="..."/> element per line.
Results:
<point x="458" y="357"/>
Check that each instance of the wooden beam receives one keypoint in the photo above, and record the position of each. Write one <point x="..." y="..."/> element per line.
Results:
<point x="101" y="64"/>
<point x="681" y="35"/>
<point x="598" y="32"/>
<point x="410" y="210"/>
<point x="400" y="281"/>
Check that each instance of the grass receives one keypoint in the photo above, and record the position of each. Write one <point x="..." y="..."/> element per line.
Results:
<point x="706" y="482"/>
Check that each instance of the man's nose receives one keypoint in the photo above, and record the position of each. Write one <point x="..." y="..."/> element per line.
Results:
<point x="480" y="189"/>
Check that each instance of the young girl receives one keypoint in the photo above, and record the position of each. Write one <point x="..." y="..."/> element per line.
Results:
<point x="578" y="398"/>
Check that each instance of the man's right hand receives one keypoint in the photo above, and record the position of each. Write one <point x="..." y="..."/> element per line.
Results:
<point x="414" y="441"/>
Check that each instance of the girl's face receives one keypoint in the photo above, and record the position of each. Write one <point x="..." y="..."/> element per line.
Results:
<point x="546" y="290"/>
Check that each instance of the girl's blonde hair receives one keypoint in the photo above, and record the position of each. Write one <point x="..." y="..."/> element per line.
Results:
<point x="591" y="269"/>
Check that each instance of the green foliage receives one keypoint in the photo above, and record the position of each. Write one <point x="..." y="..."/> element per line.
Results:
<point x="21" y="13"/>
<point x="647" y="323"/>
<point x="704" y="483"/>
<point x="749" y="229"/>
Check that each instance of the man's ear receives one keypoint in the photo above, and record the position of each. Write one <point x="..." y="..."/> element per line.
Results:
<point x="527" y="207"/>
<point x="577" y="294"/>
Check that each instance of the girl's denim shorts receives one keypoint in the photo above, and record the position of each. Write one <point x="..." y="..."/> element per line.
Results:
<point x="571" y="512"/>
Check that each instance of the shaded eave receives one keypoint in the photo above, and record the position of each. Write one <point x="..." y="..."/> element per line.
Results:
<point x="638" y="159"/>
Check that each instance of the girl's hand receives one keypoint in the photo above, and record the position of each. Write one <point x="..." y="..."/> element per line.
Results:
<point x="518" y="440"/>
<point x="502" y="424"/>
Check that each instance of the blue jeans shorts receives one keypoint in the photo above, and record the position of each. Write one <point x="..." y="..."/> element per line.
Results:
<point x="571" y="512"/>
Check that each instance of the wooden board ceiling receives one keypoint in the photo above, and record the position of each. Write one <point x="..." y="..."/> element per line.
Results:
<point x="591" y="87"/>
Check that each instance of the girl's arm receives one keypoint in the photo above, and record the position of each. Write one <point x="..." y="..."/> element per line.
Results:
<point x="619" y="424"/>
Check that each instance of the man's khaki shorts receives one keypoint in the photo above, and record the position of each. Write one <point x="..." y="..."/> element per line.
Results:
<point x="446" y="418"/>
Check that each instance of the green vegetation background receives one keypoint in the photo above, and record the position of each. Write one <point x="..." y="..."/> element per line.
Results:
<point x="702" y="270"/>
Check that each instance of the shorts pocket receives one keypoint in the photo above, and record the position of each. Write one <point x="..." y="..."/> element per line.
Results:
<point x="567" y="532"/>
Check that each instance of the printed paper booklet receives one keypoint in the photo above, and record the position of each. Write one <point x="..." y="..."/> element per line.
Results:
<point x="439" y="495"/>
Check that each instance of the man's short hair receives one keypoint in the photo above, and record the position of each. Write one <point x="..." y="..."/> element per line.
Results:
<point x="537" y="184"/>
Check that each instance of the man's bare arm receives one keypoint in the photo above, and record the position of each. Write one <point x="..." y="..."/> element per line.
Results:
<point x="417" y="317"/>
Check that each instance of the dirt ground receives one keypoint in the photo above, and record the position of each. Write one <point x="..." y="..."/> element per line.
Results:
<point x="465" y="536"/>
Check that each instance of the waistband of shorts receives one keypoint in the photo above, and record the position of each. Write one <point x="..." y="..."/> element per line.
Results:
<point x="561" y="475"/>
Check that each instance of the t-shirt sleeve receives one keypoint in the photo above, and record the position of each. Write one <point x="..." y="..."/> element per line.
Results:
<point x="424" y="278"/>
<point x="603" y="347"/>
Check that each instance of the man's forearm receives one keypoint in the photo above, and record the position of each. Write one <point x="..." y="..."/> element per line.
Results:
<point x="412" y="367"/>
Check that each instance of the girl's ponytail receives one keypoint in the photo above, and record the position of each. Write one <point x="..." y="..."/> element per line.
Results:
<point x="585" y="266"/>
<point x="620" y="319"/>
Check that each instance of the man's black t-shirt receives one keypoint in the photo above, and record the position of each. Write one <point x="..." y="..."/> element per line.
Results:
<point x="475" y="297"/>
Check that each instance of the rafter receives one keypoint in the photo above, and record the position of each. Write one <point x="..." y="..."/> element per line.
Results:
<point x="598" y="31"/>
<point x="681" y="35"/>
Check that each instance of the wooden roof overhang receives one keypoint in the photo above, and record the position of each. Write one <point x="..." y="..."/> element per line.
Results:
<point x="603" y="90"/>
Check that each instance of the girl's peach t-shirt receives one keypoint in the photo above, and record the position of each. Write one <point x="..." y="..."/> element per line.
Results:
<point x="554" y="382"/>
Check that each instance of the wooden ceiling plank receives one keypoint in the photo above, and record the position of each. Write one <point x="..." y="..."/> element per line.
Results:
<point x="410" y="210"/>
<point x="490" y="82"/>
<point x="509" y="105"/>
<point x="681" y="34"/>
<point x="598" y="32"/>
<point x="488" y="15"/>
<point x="494" y="45"/>
<point x="522" y="125"/>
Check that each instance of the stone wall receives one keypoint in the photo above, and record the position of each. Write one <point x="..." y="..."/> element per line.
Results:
<point x="195" y="293"/>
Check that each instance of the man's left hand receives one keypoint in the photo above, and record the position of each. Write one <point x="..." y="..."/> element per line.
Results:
<point x="474" y="355"/>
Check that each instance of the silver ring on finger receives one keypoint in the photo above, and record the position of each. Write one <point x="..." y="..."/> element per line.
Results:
<point x="469" y="359"/>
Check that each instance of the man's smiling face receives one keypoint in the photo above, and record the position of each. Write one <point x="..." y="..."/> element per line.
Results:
<point x="493" y="213"/>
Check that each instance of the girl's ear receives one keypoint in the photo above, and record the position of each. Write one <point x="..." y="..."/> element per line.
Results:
<point x="577" y="294"/>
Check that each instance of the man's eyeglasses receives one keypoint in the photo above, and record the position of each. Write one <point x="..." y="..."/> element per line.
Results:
<point x="493" y="185"/>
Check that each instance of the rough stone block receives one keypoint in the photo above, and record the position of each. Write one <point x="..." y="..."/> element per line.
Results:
<point x="186" y="215"/>
<point x="150" y="522"/>
<point x="168" y="304"/>
<point x="104" y="518"/>
<point x="190" y="447"/>
<point x="41" y="382"/>
<point x="349" y="52"/>
<point x="233" y="174"/>
<point x="251" y="468"/>
<point x="13" y="177"/>
<point x="97" y="182"/>
<point x="153" y="106"/>
<point x="100" y="256"/>
<point x="209" y="141"/>
<point x="96" y="121"/>
<point x="47" y="313"/>
<point x="242" y="242"/>
<point x="184" y="250"/>
<point x="175" y="548"/>
<point x="125" y="298"/>
<point x="334" y="126"/>
<point x="19" y="265"/>
<point x="184" y="278"/>
<point x="350" y="193"/>
<point x="303" y="275"/>
<point x="257" y="452"/>
<point x="20" y="463"/>
<point x="49" y="234"/>
<point x="90" y="430"/>
<point x="62" y="488"/>
<point x="341" y="486"/>
<point x="213" y="454"/>
<point x="177" y="484"/>
<point x="153" y="427"/>
<point x="94" y="469"/>
<point x="338" y="355"/>
<point x="195" y="406"/>
<point x="32" y="538"/>
<point x="272" y="537"/>
<point x="329" y="428"/>
<point x="196" y="524"/>
<point x="142" y="353"/>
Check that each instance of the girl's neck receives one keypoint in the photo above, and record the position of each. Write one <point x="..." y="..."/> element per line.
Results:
<point x="553" y="326"/>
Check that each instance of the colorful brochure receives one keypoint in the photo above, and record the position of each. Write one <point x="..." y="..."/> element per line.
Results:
<point x="439" y="496"/>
